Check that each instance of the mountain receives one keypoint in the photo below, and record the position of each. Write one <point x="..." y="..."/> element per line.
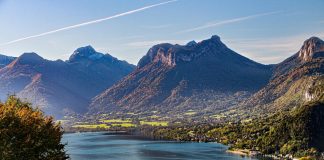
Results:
<point x="59" y="87"/>
<point x="5" y="60"/>
<point x="103" y="68"/>
<point x="204" y="77"/>
<point x="292" y="81"/>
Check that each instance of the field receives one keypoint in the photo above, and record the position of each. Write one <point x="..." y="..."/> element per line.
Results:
<point x="190" y="113"/>
<point x="108" y="123"/>
<point x="91" y="126"/>
<point x="154" y="123"/>
<point x="123" y="125"/>
<point x="116" y="121"/>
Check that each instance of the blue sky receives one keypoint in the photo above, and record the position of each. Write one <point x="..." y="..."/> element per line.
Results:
<point x="266" y="31"/>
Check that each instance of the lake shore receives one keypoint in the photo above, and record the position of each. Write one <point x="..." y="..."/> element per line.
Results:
<point x="126" y="146"/>
<point x="239" y="152"/>
<point x="235" y="151"/>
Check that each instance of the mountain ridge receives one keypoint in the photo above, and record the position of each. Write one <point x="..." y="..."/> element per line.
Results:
<point x="5" y="60"/>
<point x="170" y="74"/>
<point x="291" y="80"/>
<point x="58" y="86"/>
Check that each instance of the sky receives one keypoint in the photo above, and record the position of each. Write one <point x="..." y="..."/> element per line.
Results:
<point x="267" y="31"/>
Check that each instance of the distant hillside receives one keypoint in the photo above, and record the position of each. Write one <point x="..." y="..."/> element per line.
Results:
<point x="205" y="77"/>
<point x="5" y="60"/>
<point x="291" y="81"/>
<point x="60" y="87"/>
<point x="299" y="132"/>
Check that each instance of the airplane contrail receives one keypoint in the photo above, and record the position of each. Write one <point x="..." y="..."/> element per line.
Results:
<point x="88" y="23"/>
<point x="224" y="22"/>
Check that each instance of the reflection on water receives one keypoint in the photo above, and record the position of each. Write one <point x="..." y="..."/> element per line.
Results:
<point x="98" y="146"/>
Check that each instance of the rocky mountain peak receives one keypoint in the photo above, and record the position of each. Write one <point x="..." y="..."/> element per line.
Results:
<point x="215" y="38"/>
<point x="214" y="42"/>
<point x="310" y="47"/>
<point x="174" y="54"/>
<point x="29" y="58"/>
<point x="154" y="53"/>
<point x="87" y="52"/>
<point x="30" y="55"/>
<point x="191" y="43"/>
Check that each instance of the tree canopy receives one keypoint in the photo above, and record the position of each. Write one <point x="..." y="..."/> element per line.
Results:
<point x="27" y="134"/>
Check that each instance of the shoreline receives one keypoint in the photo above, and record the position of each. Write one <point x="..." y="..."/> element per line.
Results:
<point x="99" y="131"/>
<point x="240" y="152"/>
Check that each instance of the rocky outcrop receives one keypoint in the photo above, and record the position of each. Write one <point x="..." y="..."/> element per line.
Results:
<point x="292" y="81"/>
<point x="315" y="91"/>
<point x="311" y="47"/>
<point x="174" y="54"/>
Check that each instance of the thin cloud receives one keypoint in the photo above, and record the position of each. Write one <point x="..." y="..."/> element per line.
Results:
<point x="147" y="44"/>
<point x="229" y="21"/>
<point x="271" y="50"/>
<point x="157" y="26"/>
<point x="130" y="37"/>
<point x="90" y="22"/>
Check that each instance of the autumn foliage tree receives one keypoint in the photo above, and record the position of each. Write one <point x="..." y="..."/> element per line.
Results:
<point x="27" y="134"/>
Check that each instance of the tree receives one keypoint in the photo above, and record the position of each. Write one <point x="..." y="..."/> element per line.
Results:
<point x="27" y="134"/>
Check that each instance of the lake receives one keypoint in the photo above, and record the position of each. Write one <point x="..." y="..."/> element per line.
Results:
<point x="100" y="146"/>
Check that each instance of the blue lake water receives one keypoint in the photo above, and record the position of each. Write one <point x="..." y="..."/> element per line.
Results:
<point x="98" y="146"/>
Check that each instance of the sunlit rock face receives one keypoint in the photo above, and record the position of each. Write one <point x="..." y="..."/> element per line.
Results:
<point x="173" y="55"/>
<point x="311" y="48"/>
<point x="308" y="96"/>
<point x="294" y="81"/>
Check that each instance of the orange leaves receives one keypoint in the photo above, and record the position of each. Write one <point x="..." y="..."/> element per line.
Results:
<point x="25" y="133"/>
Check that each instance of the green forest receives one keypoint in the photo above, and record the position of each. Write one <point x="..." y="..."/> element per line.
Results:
<point x="298" y="132"/>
